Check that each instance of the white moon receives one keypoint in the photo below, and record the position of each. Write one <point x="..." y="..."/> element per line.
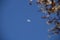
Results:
<point x="28" y="20"/>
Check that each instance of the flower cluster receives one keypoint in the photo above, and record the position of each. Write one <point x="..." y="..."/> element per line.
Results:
<point x="50" y="7"/>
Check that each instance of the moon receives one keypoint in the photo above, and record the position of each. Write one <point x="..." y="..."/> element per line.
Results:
<point x="28" y="20"/>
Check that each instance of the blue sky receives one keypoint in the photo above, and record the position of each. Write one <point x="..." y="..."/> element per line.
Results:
<point x="14" y="25"/>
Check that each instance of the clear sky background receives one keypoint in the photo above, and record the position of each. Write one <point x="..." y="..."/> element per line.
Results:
<point x="20" y="21"/>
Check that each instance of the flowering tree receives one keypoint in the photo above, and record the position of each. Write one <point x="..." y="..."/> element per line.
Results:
<point x="49" y="8"/>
